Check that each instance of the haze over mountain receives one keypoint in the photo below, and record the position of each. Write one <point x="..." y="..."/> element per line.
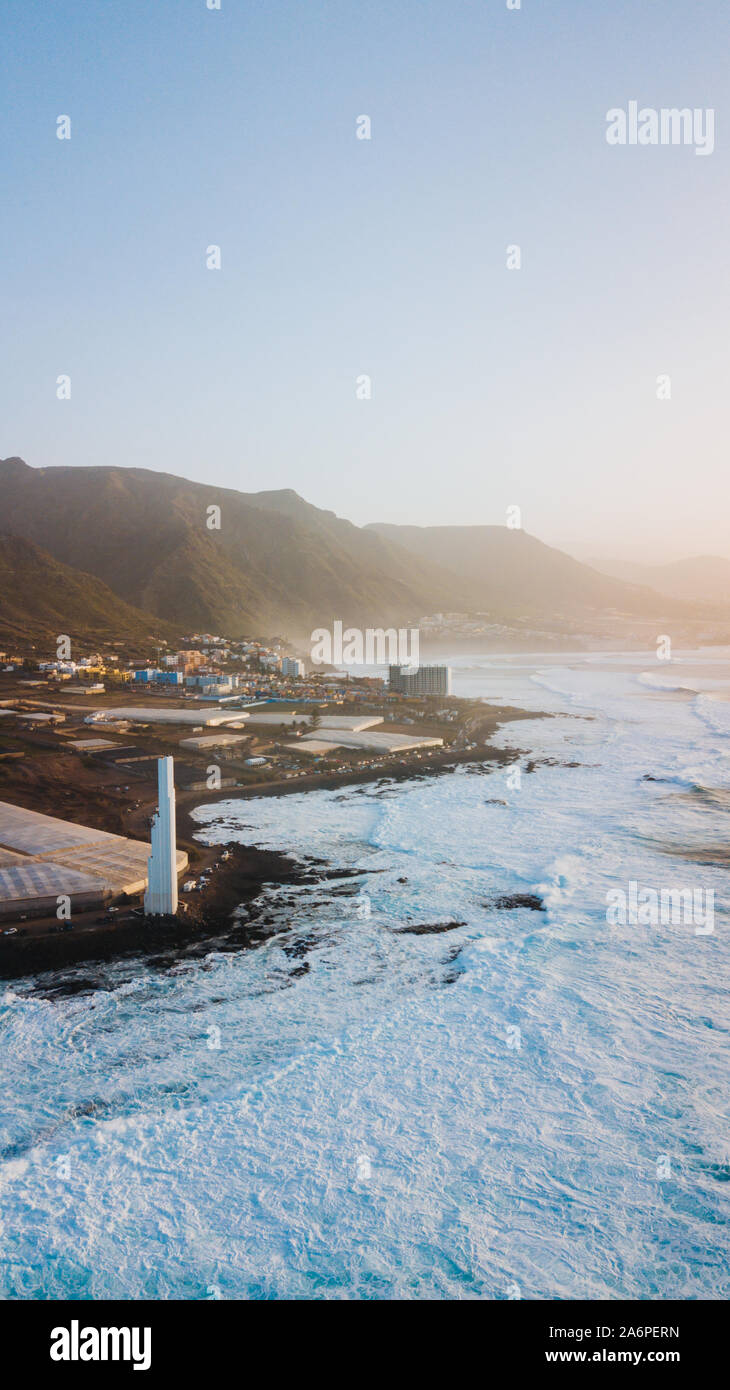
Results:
<point x="280" y="565"/>
<point x="514" y="573"/>
<point x="41" y="596"/>
<point x="704" y="578"/>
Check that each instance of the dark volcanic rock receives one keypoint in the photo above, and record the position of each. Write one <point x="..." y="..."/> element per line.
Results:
<point x="511" y="900"/>
<point x="428" y="928"/>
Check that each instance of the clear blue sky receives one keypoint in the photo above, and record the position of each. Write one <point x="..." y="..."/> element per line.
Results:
<point x="339" y="257"/>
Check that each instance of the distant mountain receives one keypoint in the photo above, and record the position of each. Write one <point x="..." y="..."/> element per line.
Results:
<point x="703" y="578"/>
<point x="277" y="564"/>
<point x="511" y="573"/>
<point x="40" y="596"/>
<point x="280" y="565"/>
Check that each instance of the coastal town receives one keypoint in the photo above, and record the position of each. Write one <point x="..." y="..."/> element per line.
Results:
<point x="84" y="741"/>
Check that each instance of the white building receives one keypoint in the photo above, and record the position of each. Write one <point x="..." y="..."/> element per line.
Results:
<point x="292" y="666"/>
<point x="161" y="895"/>
<point x="421" y="680"/>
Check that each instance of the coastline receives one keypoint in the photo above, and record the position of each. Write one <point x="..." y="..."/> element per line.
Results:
<point x="237" y="882"/>
<point x="436" y="766"/>
<point x="162" y="941"/>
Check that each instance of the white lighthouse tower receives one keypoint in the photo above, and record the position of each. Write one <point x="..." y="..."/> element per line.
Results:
<point x="161" y="895"/>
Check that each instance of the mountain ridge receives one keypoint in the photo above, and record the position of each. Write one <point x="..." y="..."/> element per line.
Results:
<point x="518" y="574"/>
<point x="279" y="564"/>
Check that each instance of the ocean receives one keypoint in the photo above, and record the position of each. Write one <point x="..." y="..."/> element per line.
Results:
<point x="447" y="1076"/>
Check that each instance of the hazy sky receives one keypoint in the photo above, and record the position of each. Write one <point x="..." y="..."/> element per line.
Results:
<point x="340" y="257"/>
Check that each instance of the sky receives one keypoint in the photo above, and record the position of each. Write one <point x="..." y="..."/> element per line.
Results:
<point x="344" y="258"/>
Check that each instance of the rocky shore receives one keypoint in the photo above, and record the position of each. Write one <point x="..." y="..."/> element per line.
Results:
<point x="206" y="919"/>
<point x="204" y="922"/>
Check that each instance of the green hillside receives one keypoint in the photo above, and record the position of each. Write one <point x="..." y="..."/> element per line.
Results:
<point x="41" y="597"/>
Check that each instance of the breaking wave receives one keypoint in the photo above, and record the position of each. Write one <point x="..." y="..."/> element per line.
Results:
<point x="372" y="1106"/>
